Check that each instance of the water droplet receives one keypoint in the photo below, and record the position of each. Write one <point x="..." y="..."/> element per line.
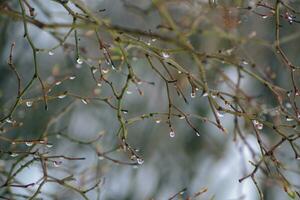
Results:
<point x="72" y="77"/>
<point x="58" y="83"/>
<point x="29" y="144"/>
<point x="14" y="154"/>
<point x="165" y="55"/>
<point x="125" y="111"/>
<point x="105" y="71"/>
<point x="94" y="70"/>
<point x="193" y="94"/>
<point x="198" y="134"/>
<point x="100" y="157"/>
<point x="288" y="119"/>
<point x="245" y="62"/>
<point x="149" y="43"/>
<point x="84" y="101"/>
<point x="99" y="84"/>
<point x="79" y="61"/>
<point x="265" y="16"/>
<point x="196" y="89"/>
<point x="220" y="114"/>
<point x="128" y="92"/>
<point x="140" y="161"/>
<point x="153" y="39"/>
<point x="179" y="72"/>
<point x="288" y="105"/>
<point x="157" y="121"/>
<point x="57" y="163"/>
<point x="49" y="145"/>
<point x="205" y="94"/>
<point x="172" y="134"/>
<point x="51" y="53"/>
<point x="9" y="120"/>
<point x="182" y="117"/>
<point x="29" y="103"/>
<point x="62" y="96"/>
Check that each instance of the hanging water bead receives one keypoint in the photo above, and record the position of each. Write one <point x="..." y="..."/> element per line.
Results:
<point x="94" y="70"/>
<point x="62" y="96"/>
<point x="49" y="145"/>
<point x="172" y="134"/>
<point x="205" y="94"/>
<point x="179" y="72"/>
<point x="128" y="92"/>
<point x="140" y="161"/>
<point x="289" y="119"/>
<point x="84" y="101"/>
<point x="29" y="103"/>
<point x="79" y="61"/>
<point x="9" y="120"/>
<point x="105" y="71"/>
<point x="165" y="55"/>
<point x="157" y="121"/>
<point x="29" y="144"/>
<point x="57" y="163"/>
<point x="220" y="114"/>
<point x="193" y="94"/>
<point x="58" y="83"/>
<point x="125" y="111"/>
<point x="100" y="157"/>
<point x="181" y="117"/>
<point x="51" y="53"/>
<point x="198" y="134"/>
<point x="72" y="77"/>
<point x="14" y="155"/>
<point x="258" y="125"/>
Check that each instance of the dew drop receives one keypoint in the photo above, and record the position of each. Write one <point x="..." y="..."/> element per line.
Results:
<point x="99" y="84"/>
<point x="62" y="96"/>
<point x="57" y="163"/>
<point x="84" y="101"/>
<point x="149" y="43"/>
<point x="182" y="117"/>
<point x="58" y="83"/>
<point x="219" y="114"/>
<point x="29" y="103"/>
<point x="140" y="161"/>
<point x="100" y="157"/>
<point x="165" y="55"/>
<point x="245" y="62"/>
<point x="288" y="119"/>
<point x="157" y="121"/>
<point x="193" y="94"/>
<point x="205" y="94"/>
<point x="9" y="120"/>
<point x="125" y="111"/>
<point x="51" y="53"/>
<point x="72" y="77"/>
<point x="49" y="145"/>
<point x="94" y="71"/>
<point x="288" y="105"/>
<point x="198" y="134"/>
<point x="14" y="155"/>
<point x="128" y="92"/>
<point x="29" y="144"/>
<point x="179" y="72"/>
<point x="79" y="61"/>
<point x="265" y="16"/>
<point x="105" y="71"/>
<point x="172" y="134"/>
<point x="153" y="39"/>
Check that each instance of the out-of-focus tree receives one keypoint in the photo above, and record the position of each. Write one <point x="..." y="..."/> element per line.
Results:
<point x="141" y="99"/>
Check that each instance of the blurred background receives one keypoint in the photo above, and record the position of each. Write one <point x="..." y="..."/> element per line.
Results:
<point x="208" y="163"/>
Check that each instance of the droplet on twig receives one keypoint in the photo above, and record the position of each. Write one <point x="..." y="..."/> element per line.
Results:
<point x="172" y="134"/>
<point x="29" y="103"/>
<point x="165" y="55"/>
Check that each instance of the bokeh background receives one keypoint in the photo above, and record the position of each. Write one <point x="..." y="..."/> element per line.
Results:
<point x="212" y="160"/>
